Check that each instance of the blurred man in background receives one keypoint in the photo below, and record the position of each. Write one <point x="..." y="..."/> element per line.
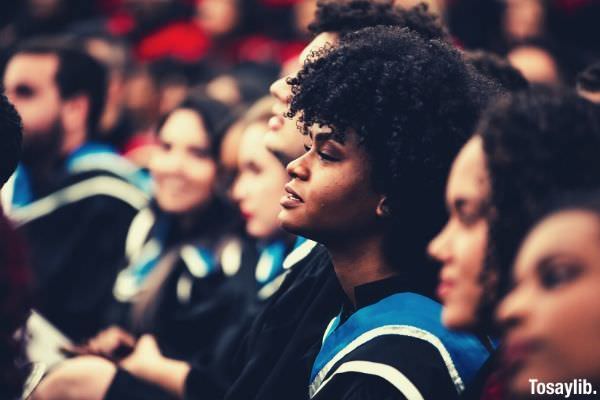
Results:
<point x="73" y="198"/>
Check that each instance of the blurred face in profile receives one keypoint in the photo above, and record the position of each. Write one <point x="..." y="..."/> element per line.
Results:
<point x="183" y="167"/>
<point x="259" y="184"/>
<point x="461" y="245"/>
<point x="331" y="196"/>
<point x="283" y="138"/>
<point x="552" y="317"/>
<point x="29" y="81"/>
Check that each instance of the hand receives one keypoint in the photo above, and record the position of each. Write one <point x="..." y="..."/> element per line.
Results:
<point x="146" y="362"/>
<point x="145" y="358"/>
<point x="109" y="343"/>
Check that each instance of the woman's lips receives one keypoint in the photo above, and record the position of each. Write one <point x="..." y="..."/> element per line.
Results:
<point x="245" y="215"/>
<point x="516" y="351"/>
<point x="292" y="199"/>
<point x="444" y="289"/>
<point x="275" y="123"/>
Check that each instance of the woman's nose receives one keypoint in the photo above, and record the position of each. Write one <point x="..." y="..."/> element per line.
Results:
<point x="281" y="90"/>
<point x="298" y="169"/>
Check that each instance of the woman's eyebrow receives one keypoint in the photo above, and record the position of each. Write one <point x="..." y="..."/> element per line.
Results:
<point x="322" y="136"/>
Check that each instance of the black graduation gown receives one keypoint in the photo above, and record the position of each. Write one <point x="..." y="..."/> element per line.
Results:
<point x="418" y="361"/>
<point x="187" y="327"/>
<point x="76" y="241"/>
<point x="272" y="355"/>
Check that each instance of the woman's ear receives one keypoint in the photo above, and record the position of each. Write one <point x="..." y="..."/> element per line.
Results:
<point x="383" y="208"/>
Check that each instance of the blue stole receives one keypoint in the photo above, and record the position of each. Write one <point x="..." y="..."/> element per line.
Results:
<point x="88" y="157"/>
<point x="407" y="314"/>
<point x="130" y="280"/>
<point x="199" y="260"/>
<point x="270" y="261"/>
<point x="99" y="156"/>
<point x="22" y="191"/>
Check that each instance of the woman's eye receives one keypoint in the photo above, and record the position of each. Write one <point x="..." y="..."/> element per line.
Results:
<point x="200" y="153"/>
<point x="468" y="219"/>
<point x="165" y="146"/>
<point x="326" y="157"/>
<point x="553" y="276"/>
<point x="307" y="148"/>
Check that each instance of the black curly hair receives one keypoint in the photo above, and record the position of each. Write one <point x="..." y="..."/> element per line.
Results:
<point x="345" y="16"/>
<point x="413" y="103"/>
<point x="497" y="69"/>
<point x="538" y="144"/>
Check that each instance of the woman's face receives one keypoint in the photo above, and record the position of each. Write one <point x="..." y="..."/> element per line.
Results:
<point x="183" y="168"/>
<point x="552" y="314"/>
<point x="330" y="196"/>
<point x="461" y="245"/>
<point x="259" y="184"/>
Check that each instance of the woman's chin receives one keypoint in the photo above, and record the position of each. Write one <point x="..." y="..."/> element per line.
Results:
<point x="289" y="223"/>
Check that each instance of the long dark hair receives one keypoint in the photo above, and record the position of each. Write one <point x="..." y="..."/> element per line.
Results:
<point x="538" y="144"/>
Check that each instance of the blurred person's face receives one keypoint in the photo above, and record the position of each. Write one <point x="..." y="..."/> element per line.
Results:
<point x="259" y="184"/>
<point x="304" y="12"/>
<point x="536" y="65"/>
<point x="283" y="138"/>
<point x="225" y="89"/>
<point x="461" y="245"/>
<point x="171" y="95"/>
<point x="217" y="17"/>
<point x="523" y="19"/>
<point x="330" y="197"/>
<point x="29" y="81"/>
<point x="552" y="317"/>
<point x="142" y="100"/>
<point x="434" y="5"/>
<point x="182" y="166"/>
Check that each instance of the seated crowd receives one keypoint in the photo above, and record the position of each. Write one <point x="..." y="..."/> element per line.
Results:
<point x="400" y="218"/>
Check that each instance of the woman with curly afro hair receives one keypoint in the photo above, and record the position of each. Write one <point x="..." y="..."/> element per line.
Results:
<point x="383" y="115"/>
<point x="528" y="148"/>
<point x="335" y="19"/>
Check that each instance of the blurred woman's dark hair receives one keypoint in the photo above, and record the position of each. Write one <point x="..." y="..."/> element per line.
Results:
<point x="571" y="201"/>
<point x="14" y="310"/>
<point x="538" y="144"/>
<point x="216" y="118"/>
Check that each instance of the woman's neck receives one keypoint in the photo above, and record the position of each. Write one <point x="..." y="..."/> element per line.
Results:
<point x="288" y="238"/>
<point x="360" y="261"/>
<point x="197" y="221"/>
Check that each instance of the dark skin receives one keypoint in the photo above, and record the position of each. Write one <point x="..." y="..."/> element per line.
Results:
<point x="339" y="207"/>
